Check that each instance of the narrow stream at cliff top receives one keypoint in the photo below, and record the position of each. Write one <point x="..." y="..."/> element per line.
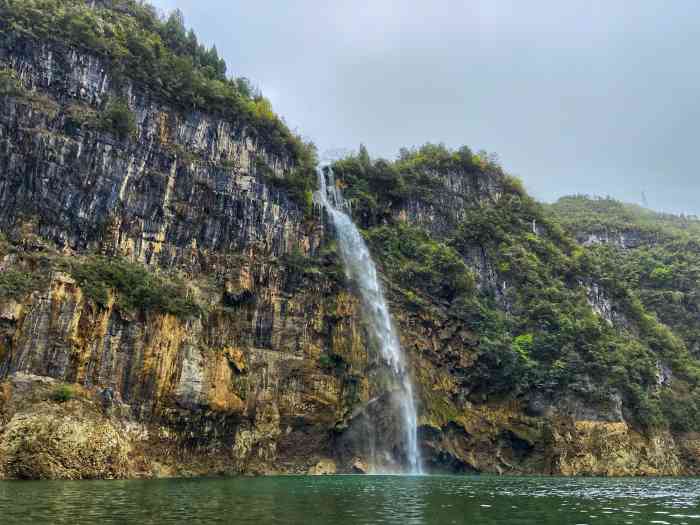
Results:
<point x="360" y="270"/>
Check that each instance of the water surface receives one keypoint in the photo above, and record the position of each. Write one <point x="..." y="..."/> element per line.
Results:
<point x="340" y="500"/>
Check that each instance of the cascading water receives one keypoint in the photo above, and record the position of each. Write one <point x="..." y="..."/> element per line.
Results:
<point x="361" y="270"/>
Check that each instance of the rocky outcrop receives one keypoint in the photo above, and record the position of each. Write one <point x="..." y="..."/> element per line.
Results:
<point x="459" y="194"/>
<point x="45" y="437"/>
<point x="622" y="239"/>
<point x="325" y="467"/>
<point x="506" y="442"/>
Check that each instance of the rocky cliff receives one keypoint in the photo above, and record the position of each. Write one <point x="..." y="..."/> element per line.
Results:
<point x="236" y="380"/>
<point x="171" y="303"/>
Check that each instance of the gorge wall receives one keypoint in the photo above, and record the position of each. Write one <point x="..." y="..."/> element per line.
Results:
<point x="170" y="307"/>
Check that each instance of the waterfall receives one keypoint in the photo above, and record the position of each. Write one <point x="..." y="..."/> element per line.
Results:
<point x="360" y="270"/>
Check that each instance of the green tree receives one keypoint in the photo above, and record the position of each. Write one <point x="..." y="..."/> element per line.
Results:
<point x="117" y="118"/>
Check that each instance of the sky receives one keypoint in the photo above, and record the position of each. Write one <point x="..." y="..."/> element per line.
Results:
<point x="579" y="96"/>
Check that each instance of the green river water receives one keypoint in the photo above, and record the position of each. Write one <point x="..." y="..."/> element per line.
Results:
<point x="340" y="500"/>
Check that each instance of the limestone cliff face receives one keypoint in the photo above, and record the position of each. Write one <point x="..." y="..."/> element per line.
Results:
<point x="185" y="185"/>
<point x="458" y="195"/>
<point x="243" y="386"/>
<point x="272" y="372"/>
<point x="243" y="383"/>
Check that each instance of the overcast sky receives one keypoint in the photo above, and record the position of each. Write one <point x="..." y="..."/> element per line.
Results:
<point x="575" y="96"/>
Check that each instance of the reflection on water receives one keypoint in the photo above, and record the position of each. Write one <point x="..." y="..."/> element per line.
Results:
<point x="356" y="499"/>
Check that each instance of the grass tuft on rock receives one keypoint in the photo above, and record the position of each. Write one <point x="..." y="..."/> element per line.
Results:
<point x="63" y="393"/>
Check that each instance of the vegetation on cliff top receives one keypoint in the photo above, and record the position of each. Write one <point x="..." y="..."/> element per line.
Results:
<point x="588" y="214"/>
<point x="160" y="55"/>
<point x="375" y="187"/>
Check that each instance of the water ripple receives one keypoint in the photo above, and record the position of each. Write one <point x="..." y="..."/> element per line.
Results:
<point x="356" y="499"/>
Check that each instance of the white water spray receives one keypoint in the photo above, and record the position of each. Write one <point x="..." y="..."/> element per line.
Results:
<point x="360" y="269"/>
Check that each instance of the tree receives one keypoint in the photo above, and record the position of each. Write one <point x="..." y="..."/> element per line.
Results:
<point x="118" y="119"/>
<point x="192" y="44"/>
<point x="174" y="32"/>
<point x="363" y="157"/>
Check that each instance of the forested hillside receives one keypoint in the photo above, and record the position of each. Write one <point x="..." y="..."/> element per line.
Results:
<point x="550" y="316"/>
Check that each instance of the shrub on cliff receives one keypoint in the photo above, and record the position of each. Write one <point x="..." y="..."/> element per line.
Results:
<point x="63" y="393"/>
<point x="332" y="362"/>
<point x="9" y="84"/>
<point x="118" y="119"/>
<point x="136" y="288"/>
<point x="411" y="258"/>
<point x="78" y="116"/>
<point x="14" y="284"/>
<point x="298" y="184"/>
<point x="682" y="410"/>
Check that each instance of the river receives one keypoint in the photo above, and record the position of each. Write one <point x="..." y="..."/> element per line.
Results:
<point x="339" y="500"/>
